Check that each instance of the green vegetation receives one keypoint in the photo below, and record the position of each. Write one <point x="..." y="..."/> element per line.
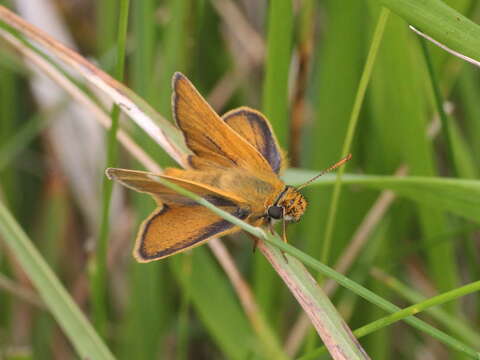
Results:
<point x="399" y="223"/>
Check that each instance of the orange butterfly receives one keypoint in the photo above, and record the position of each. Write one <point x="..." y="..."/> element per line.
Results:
<point x="235" y="165"/>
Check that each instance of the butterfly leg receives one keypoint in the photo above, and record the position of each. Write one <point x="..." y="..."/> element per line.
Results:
<point x="284" y="237"/>
<point x="284" y="231"/>
<point x="270" y="228"/>
<point x="255" y="240"/>
<point x="255" y="244"/>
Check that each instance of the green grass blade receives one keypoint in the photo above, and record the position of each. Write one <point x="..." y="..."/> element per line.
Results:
<point x="276" y="108"/>
<point x="83" y="337"/>
<point x="336" y="72"/>
<point x="418" y="308"/>
<point x="334" y="331"/>
<point x="314" y="301"/>
<point x="444" y="24"/>
<point x="322" y="268"/>
<point x="9" y="112"/>
<point x="459" y="196"/>
<point x="99" y="260"/>
<point x="362" y="88"/>
<point x="451" y="322"/>
<point x="446" y="127"/>
<point x="368" y="295"/>
<point x="332" y="328"/>
<point x="174" y="53"/>
<point x="407" y="312"/>
<point x="107" y="15"/>
<point x="51" y="226"/>
<point x="151" y="308"/>
<point x="18" y="141"/>
<point x="279" y="48"/>
<point x="469" y="91"/>
<point x="131" y="103"/>
<point x="396" y="115"/>
<point x="142" y="58"/>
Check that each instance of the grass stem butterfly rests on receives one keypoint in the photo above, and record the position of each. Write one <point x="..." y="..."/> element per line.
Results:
<point x="235" y="165"/>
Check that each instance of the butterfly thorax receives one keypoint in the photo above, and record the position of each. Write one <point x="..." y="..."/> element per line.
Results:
<point x="289" y="205"/>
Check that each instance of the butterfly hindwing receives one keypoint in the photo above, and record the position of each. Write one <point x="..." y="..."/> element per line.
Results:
<point x="174" y="228"/>
<point x="255" y="128"/>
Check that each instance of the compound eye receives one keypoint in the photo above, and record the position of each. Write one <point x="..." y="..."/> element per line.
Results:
<point x="275" y="212"/>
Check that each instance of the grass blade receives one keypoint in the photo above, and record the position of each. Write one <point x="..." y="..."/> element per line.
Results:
<point x="99" y="260"/>
<point x="330" y="326"/>
<point x="441" y="22"/>
<point x="126" y="99"/>
<point x="352" y="124"/>
<point x="324" y="269"/>
<point x="276" y="107"/>
<point x="450" y="322"/>
<point x="275" y="88"/>
<point x="458" y="196"/>
<point x="407" y="312"/>
<point x="84" y="339"/>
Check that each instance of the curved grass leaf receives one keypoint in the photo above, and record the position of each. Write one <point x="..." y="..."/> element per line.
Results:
<point x="329" y="324"/>
<point x="274" y="240"/>
<point x="409" y="311"/>
<point x="441" y="22"/>
<point x="450" y="321"/>
<point x="84" y="339"/>
<point x="459" y="196"/>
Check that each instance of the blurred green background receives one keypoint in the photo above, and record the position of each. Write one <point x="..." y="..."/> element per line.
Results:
<point x="300" y="62"/>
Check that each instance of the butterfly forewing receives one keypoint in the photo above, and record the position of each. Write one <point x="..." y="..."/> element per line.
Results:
<point x="144" y="181"/>
<point x="207" y="135"/>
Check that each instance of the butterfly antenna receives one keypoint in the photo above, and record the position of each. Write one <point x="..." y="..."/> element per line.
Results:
<point x="333" y="167"/>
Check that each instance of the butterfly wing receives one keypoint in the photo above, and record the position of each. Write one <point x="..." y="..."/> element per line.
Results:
<point x="255" y="128"/>
<point x="174" y="228"/>
<point x="207" y="135"/>
<point x="144" y="181"/>
<point x="179" y="223"/>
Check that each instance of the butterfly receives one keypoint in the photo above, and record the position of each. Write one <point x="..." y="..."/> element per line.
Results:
<point x="235" y="163"/>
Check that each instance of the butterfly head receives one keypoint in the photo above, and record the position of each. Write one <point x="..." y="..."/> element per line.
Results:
<point x="290" y="206"/>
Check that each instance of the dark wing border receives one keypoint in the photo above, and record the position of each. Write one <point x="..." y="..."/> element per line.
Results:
<point x="270" y="149"/>
<point x="209" y="231"/>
